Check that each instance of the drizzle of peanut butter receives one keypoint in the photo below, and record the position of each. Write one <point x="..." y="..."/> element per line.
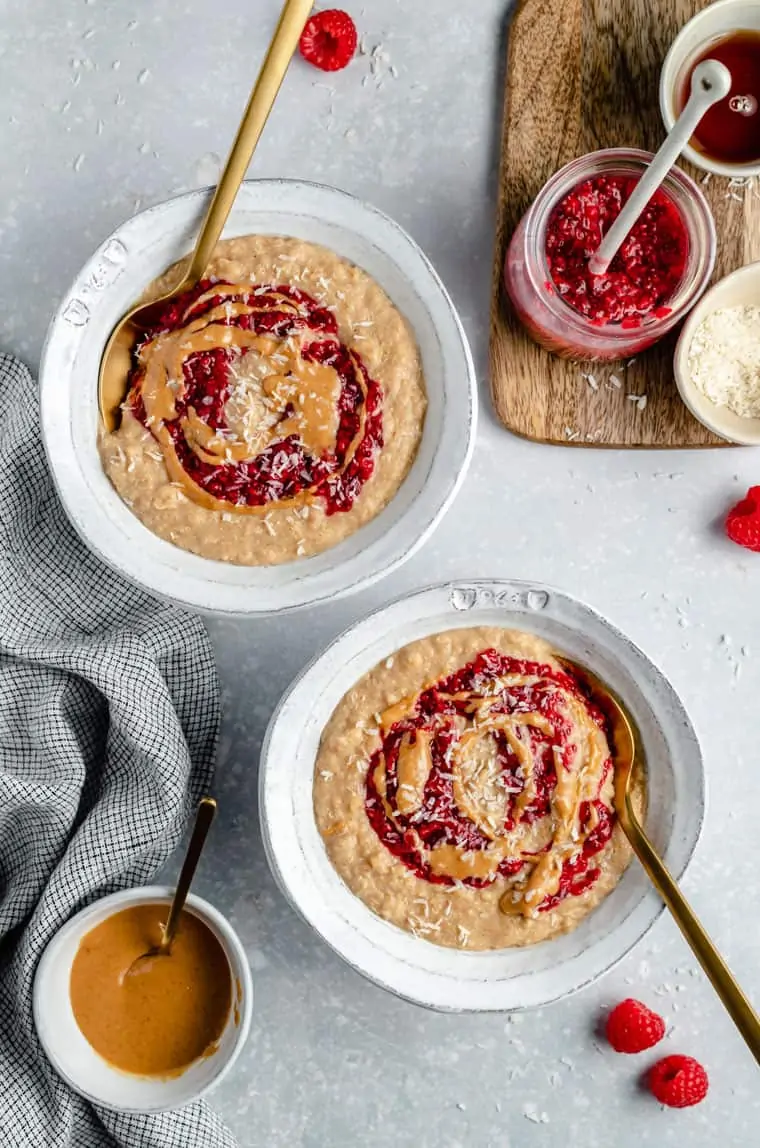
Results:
<point x="578" y="782"/>
<point x="299" y="397"/>
<point x="451" y="861"/>
<point x="313" y="391"/>
<point x="509" y="725"/>
<point x="412" y="771"/>
<point x="397" y="712"/>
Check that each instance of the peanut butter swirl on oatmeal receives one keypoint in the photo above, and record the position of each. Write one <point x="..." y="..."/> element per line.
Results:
<point x="273" y="411"/>
<point x="498" y="769"/>
<point x="464" y="790"/>
<point x="255" y="403"/>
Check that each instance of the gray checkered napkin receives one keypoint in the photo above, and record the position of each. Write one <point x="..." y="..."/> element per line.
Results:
<point x="109" y="713"/>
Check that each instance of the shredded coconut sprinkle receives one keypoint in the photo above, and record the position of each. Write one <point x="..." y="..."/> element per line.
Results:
<point x="724" y="359"/>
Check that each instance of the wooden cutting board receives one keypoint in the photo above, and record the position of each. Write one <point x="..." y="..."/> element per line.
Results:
<point x="583" y="75"/>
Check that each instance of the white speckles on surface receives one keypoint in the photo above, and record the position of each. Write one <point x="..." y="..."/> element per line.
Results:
<point x="597" y="523"/>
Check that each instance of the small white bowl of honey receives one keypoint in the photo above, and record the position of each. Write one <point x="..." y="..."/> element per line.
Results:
<point x="727" y="140"/>
<point x="147" y="1034"/>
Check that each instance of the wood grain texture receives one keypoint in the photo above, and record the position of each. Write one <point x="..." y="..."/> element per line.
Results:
<point x="583" y="75"/>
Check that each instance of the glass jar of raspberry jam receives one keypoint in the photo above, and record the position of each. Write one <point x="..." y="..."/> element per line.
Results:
<point x="659" y="273"/>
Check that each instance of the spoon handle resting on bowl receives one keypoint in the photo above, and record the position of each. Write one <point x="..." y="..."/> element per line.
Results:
<point x="294" y="15"/>
<point x="722" y="979"/>
<point x="203" y="819"/>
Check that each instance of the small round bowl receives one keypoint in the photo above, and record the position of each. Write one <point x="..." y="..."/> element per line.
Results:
<point x="740" y="288"/>
<point x="712" y="23"/>
<point x="116" y="276"/>
<point x="411" y="967"/>
<point x="74" y="1058"/>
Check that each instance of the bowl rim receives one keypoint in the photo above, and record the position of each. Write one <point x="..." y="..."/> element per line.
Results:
<point x="669" y="72"/>
<point x="239" y="969"/>
<point x="686" y="388"/>
<point x="489" y="586"/>
<point x="191" y="578"/>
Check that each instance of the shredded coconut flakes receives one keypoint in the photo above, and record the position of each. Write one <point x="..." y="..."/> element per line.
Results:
<point x="724" y="359"/>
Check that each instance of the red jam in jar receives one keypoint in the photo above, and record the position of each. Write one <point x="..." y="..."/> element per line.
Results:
<point x="645" y="273"/>
<point x="658" y="274"/>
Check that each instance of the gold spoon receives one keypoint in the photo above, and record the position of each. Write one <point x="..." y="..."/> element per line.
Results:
<point x="117" y="357"/>
<point x="203" y="820"/>
<point x="623" y="745"/>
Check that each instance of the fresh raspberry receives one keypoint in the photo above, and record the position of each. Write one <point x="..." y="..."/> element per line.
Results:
<point x="632" y="1027"/>
<point x="678" y="1081"/>
<point x="329" y="40"/>
<point x="743" y="522"/>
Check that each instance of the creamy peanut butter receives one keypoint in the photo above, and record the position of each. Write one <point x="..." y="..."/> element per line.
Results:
<point x="151" y="1017"/>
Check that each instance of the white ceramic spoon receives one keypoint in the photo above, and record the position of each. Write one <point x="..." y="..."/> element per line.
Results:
<point x="710" y="82"/>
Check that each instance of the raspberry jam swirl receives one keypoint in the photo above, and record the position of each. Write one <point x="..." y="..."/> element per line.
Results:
<point x="500" y="771"/>
<point x="255" y="402"/>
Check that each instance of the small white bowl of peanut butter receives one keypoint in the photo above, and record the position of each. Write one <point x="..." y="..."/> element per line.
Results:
<point x="146" y="1036"/>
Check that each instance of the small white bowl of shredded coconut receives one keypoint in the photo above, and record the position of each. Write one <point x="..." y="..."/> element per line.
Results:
<point x="717" y="359"/>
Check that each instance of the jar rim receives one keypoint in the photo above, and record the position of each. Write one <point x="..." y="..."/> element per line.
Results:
<point x="693" y="209"/>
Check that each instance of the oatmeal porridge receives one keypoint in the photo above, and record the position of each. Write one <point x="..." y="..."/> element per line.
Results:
<point x="273" y="410"/>
<point x="464" y="791"/>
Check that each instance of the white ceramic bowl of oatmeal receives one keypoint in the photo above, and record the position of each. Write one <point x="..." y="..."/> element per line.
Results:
<point x="135" y="255"/>
<point x="440" y="976"/>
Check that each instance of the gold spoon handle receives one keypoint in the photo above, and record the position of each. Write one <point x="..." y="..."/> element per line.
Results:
<point x="203" y="819"/>
<point x="734" y="1001"/>
<point x="295" y="13"/>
